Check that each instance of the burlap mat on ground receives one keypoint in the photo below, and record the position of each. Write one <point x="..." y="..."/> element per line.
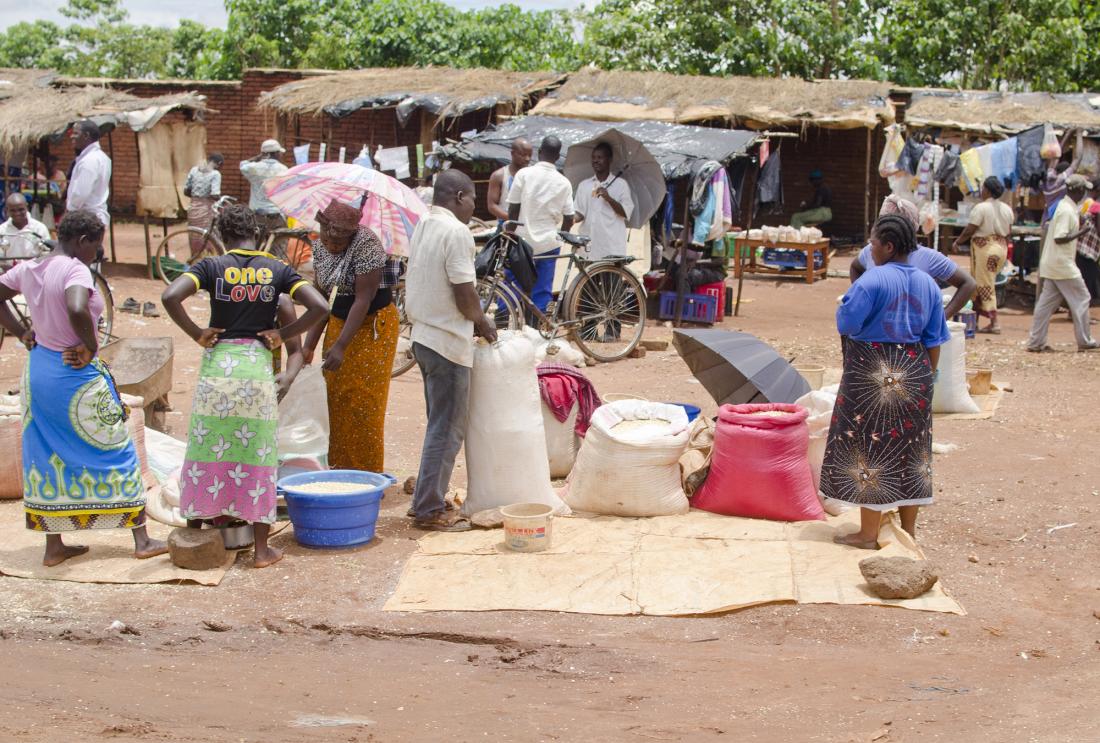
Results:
<point x="698" y="563"/>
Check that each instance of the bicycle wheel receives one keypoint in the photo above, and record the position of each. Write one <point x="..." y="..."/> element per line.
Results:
<point x="607" y="306"/>
<point x="497" y="302"/>
<point x="107" y="319"/>
<point x="174" y="252"/>
<point x="403" y="360"/>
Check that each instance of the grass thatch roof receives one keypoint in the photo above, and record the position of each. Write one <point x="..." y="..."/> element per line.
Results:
<point x="989" y="112"/>
<point x="755" y="102"/>
<point x="29" y="112"/>
<point x="442" y="90"/>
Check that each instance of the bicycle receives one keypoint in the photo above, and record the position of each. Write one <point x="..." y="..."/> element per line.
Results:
<point x="602" y="308"/>
<point x="33" y="247"/>
<point x="174" y="254"/>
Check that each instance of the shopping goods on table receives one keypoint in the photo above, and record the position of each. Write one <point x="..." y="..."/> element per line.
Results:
<point x="505" y="441"/>
<point x="950" y="393"/>
<point x="303" y="418"/>
<point x="760" y="466"/>
<point x="628" y="464"/>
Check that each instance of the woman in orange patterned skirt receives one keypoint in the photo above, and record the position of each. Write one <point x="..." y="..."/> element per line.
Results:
<point x="988" y="234"/>
<point x="355" y="274"/>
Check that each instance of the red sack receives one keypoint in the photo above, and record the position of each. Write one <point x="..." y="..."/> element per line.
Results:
<point x="760" y="467"/>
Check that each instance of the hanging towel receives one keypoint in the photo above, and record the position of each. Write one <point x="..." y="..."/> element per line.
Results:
<point x="562" y="387"/>
<point x="1029" y="163"/>
<point x="972" y="173"/>
<point x="769" y="185"/>
<point x="705" y="219"/>
<point x="723" y="207"/>
<point x="1004" y="161"/>
<point x="985" y="159"/>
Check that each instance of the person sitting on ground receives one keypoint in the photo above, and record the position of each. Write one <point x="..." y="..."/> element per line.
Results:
<point x="442" y="304"/>
<point x="988" y="233"/>
<point x="500" y="182"/>
<point x="541" y="200"/>
<point x="79" y="463"/>
<point x="878" y="454"/>
<point x="1061" y="278"/>
<point x="930" y="261"/>
<point x="231" y="460"/>
<point x="20" y="222"/>
<point x="602" y="206"/>
<point x="817" y="210"/>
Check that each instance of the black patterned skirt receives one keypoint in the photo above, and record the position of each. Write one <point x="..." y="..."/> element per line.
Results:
<point x="879" y="451"/>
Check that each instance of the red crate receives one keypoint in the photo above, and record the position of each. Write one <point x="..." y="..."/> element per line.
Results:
<point x="718" y="291"/>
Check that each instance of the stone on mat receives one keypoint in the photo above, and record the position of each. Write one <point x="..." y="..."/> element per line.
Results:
<point x="196" y="549"/>
<point x="410" y="485"/>
<point x="490" y="519"/>
<point x="897" y="577"/>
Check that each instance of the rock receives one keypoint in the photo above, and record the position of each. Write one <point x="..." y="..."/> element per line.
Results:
<point x="410" y="485"/>
<point x="653" y="345"/>
<point x="637" y="353"/>
<point x="972" y="558"/>
<point x="196" y="549"/>
<point x="897" y="577"/>
<point x="490" y="519"/>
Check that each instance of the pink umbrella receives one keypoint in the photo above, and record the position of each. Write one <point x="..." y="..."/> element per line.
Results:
<point x="391" y="209"/>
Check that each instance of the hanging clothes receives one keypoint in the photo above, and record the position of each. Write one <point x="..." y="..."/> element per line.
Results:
<point x="769" y="184"/>
<point x="891" y="151"/>
<point x="972" y="173"/>
<point x="666" y="218"/>
<point x="949" y="168"/>
<point x="723" y="206"/>
<point x="1090" y="159"/>
<point x="927" y="166"/>
<point x="705" y="218"/>
<point x="1003" y="161"/>
<point x="700" y="184"/>
<point x="985" y="160"/>
<point x="910" y="156"/>
<point x="736" y="176"/>
<point x="1029" y="163"/>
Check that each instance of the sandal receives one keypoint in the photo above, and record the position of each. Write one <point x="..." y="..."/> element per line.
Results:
<point x="447" y="506"/>
<point x="990" y="329"/>
<point x="131" y="305"/>
<point x="1042" y="349"/>
<point x="150" y="310"/>
<point x="443" y="521"/>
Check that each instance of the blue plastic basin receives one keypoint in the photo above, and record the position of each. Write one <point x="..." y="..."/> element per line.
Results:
<point x="691" y="410"/>
<point x="335" y="521"/>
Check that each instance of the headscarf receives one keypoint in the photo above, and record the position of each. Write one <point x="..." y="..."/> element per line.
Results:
<point x="342" y="215"/>
<point x="894" y="204"/>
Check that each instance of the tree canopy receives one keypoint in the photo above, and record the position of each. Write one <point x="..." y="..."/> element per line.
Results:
<point x="1024" y="44"/>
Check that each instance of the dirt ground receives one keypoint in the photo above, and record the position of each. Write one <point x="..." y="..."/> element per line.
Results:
<point x="309" y="655"/>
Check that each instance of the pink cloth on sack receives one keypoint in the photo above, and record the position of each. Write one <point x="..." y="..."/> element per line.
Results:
<point x="760" y="467"/>
<point x="43" y="283"/>
<point x="563" y="386"/>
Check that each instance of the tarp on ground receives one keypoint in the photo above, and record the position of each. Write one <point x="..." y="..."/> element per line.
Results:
<point x="675" y="146"/>
<point x="697" y="563"/>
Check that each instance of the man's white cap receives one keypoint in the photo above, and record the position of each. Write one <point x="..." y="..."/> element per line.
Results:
<point x="271" y="145"/>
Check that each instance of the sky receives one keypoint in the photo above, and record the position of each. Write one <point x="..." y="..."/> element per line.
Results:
<point x="209" y="12"/>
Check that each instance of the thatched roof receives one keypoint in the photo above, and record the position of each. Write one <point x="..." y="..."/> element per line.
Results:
<point x="755" y="102"/>
<point x="441" y="90"/>
<point x="990" y="112"/>
<point x="30" y="112"/>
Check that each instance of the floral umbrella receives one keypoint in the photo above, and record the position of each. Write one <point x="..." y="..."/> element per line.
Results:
<point x="391" y="209"/>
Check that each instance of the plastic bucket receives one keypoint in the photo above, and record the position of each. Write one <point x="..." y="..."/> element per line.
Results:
<point x="335" y="520"/>
<point x="692" y="410"/>
<point x="814" y="374"/>
<point x="527" y="526"/>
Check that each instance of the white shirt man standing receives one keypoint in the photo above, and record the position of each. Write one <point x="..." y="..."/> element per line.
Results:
<point x="541" y="199"/>
<point x="602" y="206"/>
<point x="90" y="184"/>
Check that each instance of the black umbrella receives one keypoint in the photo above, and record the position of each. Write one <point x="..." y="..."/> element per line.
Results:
<point x="737" y="368"/>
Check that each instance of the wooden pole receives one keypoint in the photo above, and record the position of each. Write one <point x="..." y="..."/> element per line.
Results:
<point x="867" y="190"/>
<point x="682" y="267"/>
<point x="111" y="192"/>
<point x="737" y="248"/>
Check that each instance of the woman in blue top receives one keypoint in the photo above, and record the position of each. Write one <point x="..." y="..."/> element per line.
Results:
<point x="879" y="451"/>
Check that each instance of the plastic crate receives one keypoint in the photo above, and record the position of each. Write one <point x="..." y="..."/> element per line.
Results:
<point x="697" y="307"/>
<point x="788" y="258"/>
<point x="718" y="291"/>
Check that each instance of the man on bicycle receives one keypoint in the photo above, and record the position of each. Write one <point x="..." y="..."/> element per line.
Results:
<point x="603" y="204"/>
<point x="256" y="170"/>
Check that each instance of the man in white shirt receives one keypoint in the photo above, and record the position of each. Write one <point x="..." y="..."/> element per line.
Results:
<point x="256" y="170"/>
<point x="602" y="206"/>
<point x="1060" y="274"/>
<point x="20" y="221"/>
<point x="541" y="200"/>
<point x="90" y="184"/>
<point x="442" y="303"/>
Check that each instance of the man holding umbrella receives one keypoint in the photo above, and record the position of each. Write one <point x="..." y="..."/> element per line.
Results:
<point x="603" y="205"/>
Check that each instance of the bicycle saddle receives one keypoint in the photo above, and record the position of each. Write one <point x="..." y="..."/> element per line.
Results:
<point x="579" y="240"/>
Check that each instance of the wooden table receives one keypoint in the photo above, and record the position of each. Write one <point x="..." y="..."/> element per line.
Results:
<point x="744" y="243"/>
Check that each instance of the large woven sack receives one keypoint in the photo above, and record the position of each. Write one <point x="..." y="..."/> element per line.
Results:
<point x="11" y="464"/>
<point x="505" y="442"/>
<point x="760" y="467"/>
<point x="819" y="404"/>
<point x="626" y="471"/>
<point x="951" y="394"/>
<point x="562" y="441"/>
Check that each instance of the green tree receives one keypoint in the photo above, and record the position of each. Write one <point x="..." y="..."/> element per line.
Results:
<point x="34" y="44"/>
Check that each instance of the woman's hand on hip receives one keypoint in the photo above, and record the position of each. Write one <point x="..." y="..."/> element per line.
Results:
<point x="78" y="356"/>
<point x="208" y="337"/>
<point x="272" y="338"/>
<point x="333" y="358"/>
<point x="28" y="340"/>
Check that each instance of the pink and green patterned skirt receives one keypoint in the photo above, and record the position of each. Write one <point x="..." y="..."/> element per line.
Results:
<point x="231" y="462"/>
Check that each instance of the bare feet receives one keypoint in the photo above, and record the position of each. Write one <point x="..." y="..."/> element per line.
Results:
<point x="856" y="540"/>
<point x="145" y="547"/>
<point x="267" y="556"/>
<point x="55" y="555"/>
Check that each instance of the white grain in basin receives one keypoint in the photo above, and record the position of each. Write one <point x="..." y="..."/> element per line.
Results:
<point x="330" y="487"/>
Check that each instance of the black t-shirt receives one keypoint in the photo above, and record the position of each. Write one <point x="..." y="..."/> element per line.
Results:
<point x="244" y="288"/>
<point x="822" y="197"/>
